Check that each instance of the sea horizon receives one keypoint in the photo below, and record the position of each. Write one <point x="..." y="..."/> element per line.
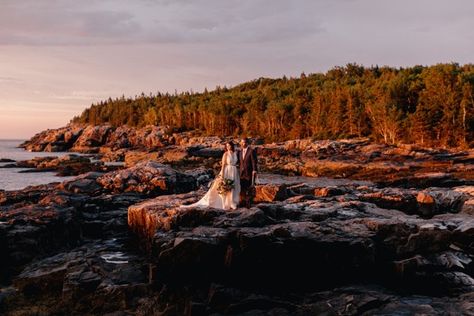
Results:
<point x="13" y="139"/>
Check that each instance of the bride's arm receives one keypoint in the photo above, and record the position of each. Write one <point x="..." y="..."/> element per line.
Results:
<point x="222" y="164"/>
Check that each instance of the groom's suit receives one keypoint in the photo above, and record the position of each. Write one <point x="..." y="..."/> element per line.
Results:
<point x="248" y="164"/>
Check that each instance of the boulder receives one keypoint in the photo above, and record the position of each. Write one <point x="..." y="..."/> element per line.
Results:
<point x="399" y="199"/>
<point x="151" y="137"/>
<point x="147" y="217"/>
<point x="61" y="139"/>
<point x="331" y="191"/>
<point x="72" y="134"/>
<point x="175" y="156"/>
<point x="148" y="178"/>
<point x="91" y="138"/>
<point x="188" y="139"/>
<point x="121" y="138"/>
<point x="468" y="206"/>
<point x="270" y="193"/>
<point x="109" y="155"/>
<point x="131" y="158"/>
<point x="30" y="194"/>
<point x="85" y="183"/>
<point x="432" y="202"/>
<point x="205" y="152"/>
<point x="202" y="175"/>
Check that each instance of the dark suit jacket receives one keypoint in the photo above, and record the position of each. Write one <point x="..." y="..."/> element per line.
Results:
<point x="248" y="164"/>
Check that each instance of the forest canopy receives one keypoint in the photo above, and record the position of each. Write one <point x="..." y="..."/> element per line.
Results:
<point x="428" y="105"/>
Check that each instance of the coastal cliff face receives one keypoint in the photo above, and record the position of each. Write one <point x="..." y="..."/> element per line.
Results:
<point x="338" y="228"/>
<point x="90" y="139"/>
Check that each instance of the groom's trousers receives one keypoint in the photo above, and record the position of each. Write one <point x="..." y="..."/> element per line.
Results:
<point x="246" y="193"/>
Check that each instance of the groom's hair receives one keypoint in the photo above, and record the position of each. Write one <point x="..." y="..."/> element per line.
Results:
<point x="246" y="140"/>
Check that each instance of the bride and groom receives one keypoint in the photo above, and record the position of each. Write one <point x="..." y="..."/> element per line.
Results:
<point x="234" y="184"/>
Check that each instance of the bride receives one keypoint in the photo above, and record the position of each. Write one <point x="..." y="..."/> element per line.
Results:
<point x="229" y="170"/>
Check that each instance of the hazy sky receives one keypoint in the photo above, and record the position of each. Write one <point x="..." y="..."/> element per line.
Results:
<point x="59" y="56"/>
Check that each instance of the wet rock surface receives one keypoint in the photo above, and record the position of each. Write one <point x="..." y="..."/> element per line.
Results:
<point x="66" y="247"/>
<point x="95" y="278"/>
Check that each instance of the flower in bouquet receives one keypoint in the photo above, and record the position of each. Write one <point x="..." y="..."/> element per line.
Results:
<point x="224" y="185"/>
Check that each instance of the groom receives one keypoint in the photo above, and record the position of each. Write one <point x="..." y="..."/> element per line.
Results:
<point x="248" y="172"/>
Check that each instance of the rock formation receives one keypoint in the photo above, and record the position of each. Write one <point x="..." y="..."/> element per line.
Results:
<point x="338" y="228"/>
<point x="311" y="244"/>
<point x="65" y="248"/>
<point x="388" y="165"/>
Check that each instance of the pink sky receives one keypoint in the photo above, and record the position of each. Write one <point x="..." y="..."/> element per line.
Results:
<point x="59" y="56"/>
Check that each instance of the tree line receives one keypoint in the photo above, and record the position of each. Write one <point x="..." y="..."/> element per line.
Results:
<point x="428" y="105"/>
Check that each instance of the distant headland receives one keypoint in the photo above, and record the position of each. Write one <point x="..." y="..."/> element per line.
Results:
<point x="426" y="105"/>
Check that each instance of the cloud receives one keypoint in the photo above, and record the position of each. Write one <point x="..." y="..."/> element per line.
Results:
<point x="64" y="22"/>
<point x="10" y="80"/>
<point x="61" y="25"/>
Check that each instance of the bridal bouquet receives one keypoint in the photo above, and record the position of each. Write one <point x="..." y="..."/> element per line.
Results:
<point x="224" y="185"/>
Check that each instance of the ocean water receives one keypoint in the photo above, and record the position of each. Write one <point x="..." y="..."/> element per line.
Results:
<point x="11" y="179"/>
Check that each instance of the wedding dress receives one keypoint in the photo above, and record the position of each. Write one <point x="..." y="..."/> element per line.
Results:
<point x="230" y="199"/>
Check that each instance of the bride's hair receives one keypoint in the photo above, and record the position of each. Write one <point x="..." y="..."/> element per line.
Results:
<point x="231" y="144"/>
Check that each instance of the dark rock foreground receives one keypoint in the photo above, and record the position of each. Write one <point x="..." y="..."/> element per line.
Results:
<point x="389" y="232"/>
<point x="307" y="244"/>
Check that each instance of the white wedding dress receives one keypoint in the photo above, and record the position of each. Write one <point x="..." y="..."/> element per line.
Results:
<point x="230" y="200"/>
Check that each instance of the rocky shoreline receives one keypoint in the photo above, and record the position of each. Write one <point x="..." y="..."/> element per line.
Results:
<point x="338" y="228"/>
<point x="358" y="159"/>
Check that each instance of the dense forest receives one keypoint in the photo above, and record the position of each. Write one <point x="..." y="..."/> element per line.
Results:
<point x="433" y="106"/>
